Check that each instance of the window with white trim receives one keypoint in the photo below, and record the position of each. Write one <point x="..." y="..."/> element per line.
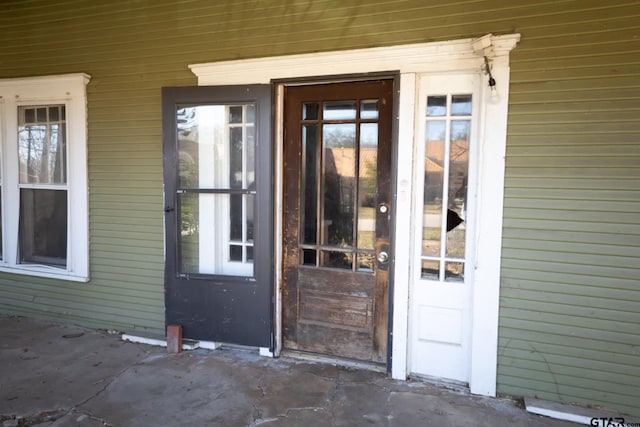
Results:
<point x="43" y="179"/>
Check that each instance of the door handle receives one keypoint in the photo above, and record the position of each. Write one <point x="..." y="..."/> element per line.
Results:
<point x="382" y="255"/>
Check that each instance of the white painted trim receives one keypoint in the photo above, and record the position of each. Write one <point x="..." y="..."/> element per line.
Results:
<point x="576" y="413"/>
<point x="403" y="208"/>
<point x="486" y="289"/>
<point x="161" y="342"/>
<point x="437" y="57"/>
<point x="411" y="58"/>
<point x="70" y="90"/>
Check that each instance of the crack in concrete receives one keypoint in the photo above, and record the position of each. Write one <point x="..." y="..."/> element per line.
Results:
<point x="76" y="407"/>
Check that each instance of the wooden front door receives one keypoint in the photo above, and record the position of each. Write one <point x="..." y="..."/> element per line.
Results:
<point x="336" y="219"/>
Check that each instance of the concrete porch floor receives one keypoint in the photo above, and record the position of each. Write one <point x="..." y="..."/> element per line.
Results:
<point x="63" y="375"/>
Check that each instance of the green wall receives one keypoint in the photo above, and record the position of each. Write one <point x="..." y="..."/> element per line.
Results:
<point x="570" y="298"/>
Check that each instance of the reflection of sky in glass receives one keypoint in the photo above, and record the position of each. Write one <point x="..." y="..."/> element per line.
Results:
<point x="369" y="134"/>
<point x="436" y="105"/>
<point x="460" y="129"/>
<point x="435" y="130"/>
<point x="461" y="105"/>
<point x="339" y="110"/>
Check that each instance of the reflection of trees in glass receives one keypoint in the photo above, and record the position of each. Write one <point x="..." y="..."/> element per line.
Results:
<point x="368" y="185"/>
<point x="41" y="145"/>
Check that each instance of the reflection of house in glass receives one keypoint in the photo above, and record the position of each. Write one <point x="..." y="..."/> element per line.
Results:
<point x="348" y="201"/>
<point x="458" y="166"/>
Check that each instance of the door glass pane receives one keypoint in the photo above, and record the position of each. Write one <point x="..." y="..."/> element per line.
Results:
<point x="430" y="269"/>
<point x="458" y="169"/>
<point x="216" y="146"/>
<point x="42" y="148"/>
<point x="369" y="109"/>
<point x="433" y="187"/>
<point x="43" y="226"/>
<point x="338" y="183"/>
<point x="309" y="184"/>
<point x="436" y="106"/>
<point x="454" y="271"/>
<point x="335" y="259"/>
<point x="447" y="146"/>
<point x="460" y="105"/>
<point x="216" y="192"/>
<point x="203" y="250"/>
<point x="367" y="168"/>
<point x="339" y="110"/>
<point x="366" y="262"/>
<point x="235" y="155"/>
<point x="310" y="111"/>
<point x="308" y="257"/>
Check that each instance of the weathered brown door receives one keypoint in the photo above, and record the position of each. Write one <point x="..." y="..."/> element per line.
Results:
<point x="337" y="214"/>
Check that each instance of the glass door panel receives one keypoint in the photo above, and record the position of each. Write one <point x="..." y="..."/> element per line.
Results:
<point x="216" y="149"/>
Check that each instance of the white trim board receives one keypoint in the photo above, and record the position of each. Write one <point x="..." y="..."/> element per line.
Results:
<point x="159" y="341"/>
<point x="574" y="413"/>
<point x="411" y="61"/>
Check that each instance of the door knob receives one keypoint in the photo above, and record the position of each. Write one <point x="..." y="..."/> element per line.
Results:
<point x="383" y="257"/>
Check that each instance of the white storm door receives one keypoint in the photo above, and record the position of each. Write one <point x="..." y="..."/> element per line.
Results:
<point x="443" y="256"/>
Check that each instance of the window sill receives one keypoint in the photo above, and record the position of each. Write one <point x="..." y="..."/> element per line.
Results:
<point x="43" y="271"/>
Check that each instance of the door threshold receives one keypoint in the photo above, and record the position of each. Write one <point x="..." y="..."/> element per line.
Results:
<point x="334" y="360"/>
<point x="449" y="384"/>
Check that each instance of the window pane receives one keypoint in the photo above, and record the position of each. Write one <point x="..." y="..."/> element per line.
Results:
<point x="43" y="227"/>
<point x="339" y="110"/>
<point x="42" y="149"/>
<point x="339" y="188"/>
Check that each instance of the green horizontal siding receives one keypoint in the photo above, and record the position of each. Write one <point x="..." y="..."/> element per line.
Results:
<point x="570" y="297"/>
<point x="569" y="328"/>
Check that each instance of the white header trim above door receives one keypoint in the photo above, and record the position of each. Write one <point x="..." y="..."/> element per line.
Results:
<point x="412" y="58"/>
<point x="466" y="55"/>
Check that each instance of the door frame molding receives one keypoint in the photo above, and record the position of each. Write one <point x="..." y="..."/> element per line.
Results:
<point x="464" y="55"/>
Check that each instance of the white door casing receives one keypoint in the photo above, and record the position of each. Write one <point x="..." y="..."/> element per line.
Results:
<point x="412" y="61"/>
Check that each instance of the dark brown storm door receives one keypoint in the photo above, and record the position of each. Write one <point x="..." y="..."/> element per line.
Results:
<point x="218" y="212"/>
<point x="336" y="219"/>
